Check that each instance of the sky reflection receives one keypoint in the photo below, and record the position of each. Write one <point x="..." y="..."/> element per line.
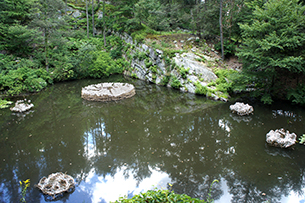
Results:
<point x="110" y="188"/>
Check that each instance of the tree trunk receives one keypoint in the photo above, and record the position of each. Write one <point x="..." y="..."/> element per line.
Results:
<point x="66" y="7"/>
<point x="221" y="32"/>
<point x="87" y="18"/>
<point x="104" y="25"/>
<point x="46" y="50"/>
<point x="93" y="19"/>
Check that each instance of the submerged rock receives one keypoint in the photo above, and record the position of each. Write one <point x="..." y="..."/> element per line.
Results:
<point x="241" y="108"/>
<point x="56" y="184"/>
<point x="22" y="105"/>
<point x="281" y="138"/>
<point x="108" y="91"/>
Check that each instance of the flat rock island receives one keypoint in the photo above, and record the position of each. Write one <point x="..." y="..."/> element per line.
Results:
<point x="108" y="92"/>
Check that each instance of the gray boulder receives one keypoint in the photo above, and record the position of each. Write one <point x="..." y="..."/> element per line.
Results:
<point x="76" y="14"/>
<point x="189" y="60"/>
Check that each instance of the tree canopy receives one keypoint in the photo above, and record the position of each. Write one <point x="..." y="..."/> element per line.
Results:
<point x="273" y="45"/>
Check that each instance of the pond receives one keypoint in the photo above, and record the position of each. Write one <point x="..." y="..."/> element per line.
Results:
<point x="158" y="137"/>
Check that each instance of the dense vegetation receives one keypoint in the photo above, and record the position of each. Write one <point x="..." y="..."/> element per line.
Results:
<point x="41" y="42"/>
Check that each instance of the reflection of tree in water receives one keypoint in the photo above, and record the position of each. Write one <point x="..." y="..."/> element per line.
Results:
<point x="183" y="135"/>
<point x="194" y="148"/>
<point x="177" y="143"/>
<point x="34" y="148"/>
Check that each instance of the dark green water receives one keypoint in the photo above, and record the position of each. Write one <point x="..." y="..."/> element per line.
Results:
<point x="159" y="136"/>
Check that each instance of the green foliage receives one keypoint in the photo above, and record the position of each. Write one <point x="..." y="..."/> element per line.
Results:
<point x="140" y="55"/>
<point x="104" y="66"/>
<point x="153" y="69"/>
<point x="165" y="80"/>
<point x="4" y="103"/>
<point x="133" y="75"/>
<point x="159" y="196"/>
<point x="200" y="89"/>
<point x="155" y="196"/>
<point x="175" y="83"/>
<point x="62" y="73"/>
<point x="302" y="139"/>
<point x="229" y="47"/>
<point x="272" y="44"/>
<point x="148" y="63"/>
<point x="184" y="72"/>
<point x="24" y="79"/>
<point x="20" y="40"/>
<point x="167" y="61"/>
<point x="297" y="95"/>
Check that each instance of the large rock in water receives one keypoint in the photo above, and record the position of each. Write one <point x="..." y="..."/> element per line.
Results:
<point x="241" y="108"/>
<point x="281" y="138"/>
<point x="56" y="183"/>
<point x="108" y="91"/>
<point x="22" y="105"/>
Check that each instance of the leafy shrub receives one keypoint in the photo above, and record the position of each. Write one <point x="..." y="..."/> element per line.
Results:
<point x="121" y="65"/>
<point x="200" y="89"/>
<point x="165" y="80"/>
<point x="159" y="196"/>
<point x="133" y="75"/>
<point x="156" y="196"/>
<point x="24" y="79"/>
<point x="297" y="95"/>
<point x="184" y="72"/>
<point x="63" y="73"/>
<point x="167" y="61"/>
<point x="153" y="69"/>
<point x="228" y="46"/>
<point x="116" y="53"/>
<point x="175" y="83"/>
<point x="4" y="104"/>
<point x="103" y="66"/>
<point x="148" y="63"/>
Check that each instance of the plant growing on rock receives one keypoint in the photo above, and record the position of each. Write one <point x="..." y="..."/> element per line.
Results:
<point x="153" y="69"/>
<point x="4" y="104"/>
<point x="184" y="72"/>
<point x="175" y="83"/>
<point x="200" y="89"/>
<point x="302" y="139"/>
<point x="159" y="196"/>
<point x="165" y="80"/>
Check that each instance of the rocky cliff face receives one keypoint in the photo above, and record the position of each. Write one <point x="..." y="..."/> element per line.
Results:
<point x="185" y="71"/>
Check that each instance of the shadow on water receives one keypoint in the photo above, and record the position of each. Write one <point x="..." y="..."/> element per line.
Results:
<point x="157" y="137"/>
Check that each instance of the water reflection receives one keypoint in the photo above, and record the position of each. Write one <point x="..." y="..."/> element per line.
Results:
<point x="109" y="188"/>
<point x="160" y="136"/>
